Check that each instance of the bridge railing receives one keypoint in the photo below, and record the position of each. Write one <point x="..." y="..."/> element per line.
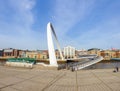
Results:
<point x="91" y="62"/>
<point x="81" y="64"/>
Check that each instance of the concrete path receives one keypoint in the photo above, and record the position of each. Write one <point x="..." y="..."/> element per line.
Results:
<point x="17" y="79"/>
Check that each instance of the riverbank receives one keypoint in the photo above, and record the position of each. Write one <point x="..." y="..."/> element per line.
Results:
<point x="104" y="64"/>
<point x="59" y="62"/>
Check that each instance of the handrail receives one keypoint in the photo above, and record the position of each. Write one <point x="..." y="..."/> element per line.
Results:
<point x="91" y="62"/>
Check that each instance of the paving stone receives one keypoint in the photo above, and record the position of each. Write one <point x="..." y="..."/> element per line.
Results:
<point x="14" y="79"/>
<point x="10" y="80"/>
<point x="8" y="89"/>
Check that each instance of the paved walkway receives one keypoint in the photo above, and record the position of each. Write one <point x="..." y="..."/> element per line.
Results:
<point x="17" y="79"/>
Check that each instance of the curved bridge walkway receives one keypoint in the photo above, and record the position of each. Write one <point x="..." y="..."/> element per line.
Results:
<point x="81" y="64"/>
<point x="88" y="63"/>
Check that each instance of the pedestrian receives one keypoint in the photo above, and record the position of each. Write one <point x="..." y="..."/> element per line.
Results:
<point x="73" y="69"/>
<point x="117" y="69"/>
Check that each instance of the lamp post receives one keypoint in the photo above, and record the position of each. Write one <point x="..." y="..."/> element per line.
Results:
<point x="76" y="77"/>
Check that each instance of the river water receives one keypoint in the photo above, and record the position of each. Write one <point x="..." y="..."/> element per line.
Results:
<point x="103" y="65"/>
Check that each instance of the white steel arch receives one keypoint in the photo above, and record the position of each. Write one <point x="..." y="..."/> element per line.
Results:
<point x="51" y="50"/>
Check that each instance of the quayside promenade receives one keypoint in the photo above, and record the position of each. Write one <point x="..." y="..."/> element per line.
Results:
<point x="19" y="79"/>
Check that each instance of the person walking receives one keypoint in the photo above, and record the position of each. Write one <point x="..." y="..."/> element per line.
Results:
<point x="117" y="69"/>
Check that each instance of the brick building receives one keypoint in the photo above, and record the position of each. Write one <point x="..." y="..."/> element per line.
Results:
<point x="12" y="53"/>
<point x="41" y="54"/>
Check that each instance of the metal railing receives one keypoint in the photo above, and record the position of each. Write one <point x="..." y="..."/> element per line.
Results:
<point x="81" y="64"/>
<point x="88" y="63"/>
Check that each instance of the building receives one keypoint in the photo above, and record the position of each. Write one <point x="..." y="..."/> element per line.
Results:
<point x="108" y="54"/>
<point x="39" y="54"/>
<point x="1" y="52"/>
<point x="69" y="52"/>
<point x="9" y="52"/>
<point x="57" y="54"/>
<point x="32" y="54"/>
<point x="94" y="51"/>
<point x="21" y="53"/>
<point x="81" y="52"/>
<point x="13" y="53"/>
<point x="44" y="54"/>
<point x="117" y="53"/>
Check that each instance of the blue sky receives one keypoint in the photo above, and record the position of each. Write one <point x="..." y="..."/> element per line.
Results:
<point x="83" y="24"/>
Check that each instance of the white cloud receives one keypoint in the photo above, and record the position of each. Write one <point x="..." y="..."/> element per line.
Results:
<point x="23" y="11"/>
<point x="104" y="34"/>
<point x="17" y="18"/>
<point x="16" y="27"/>
<point x="69" y="12"/>
<point x="17" y="14"/>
